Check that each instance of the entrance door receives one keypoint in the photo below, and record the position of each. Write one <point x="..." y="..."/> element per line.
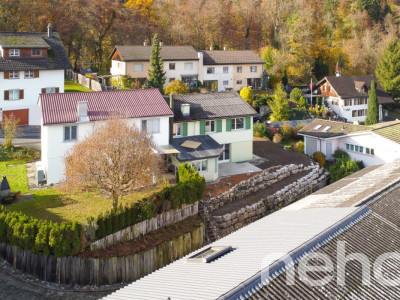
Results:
<point x="21" y="114"/>
<point x="329" y="150"/>
<point x="225" y="156"/>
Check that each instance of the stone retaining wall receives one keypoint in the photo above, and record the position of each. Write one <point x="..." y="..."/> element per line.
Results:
<point x="220" y="225"/>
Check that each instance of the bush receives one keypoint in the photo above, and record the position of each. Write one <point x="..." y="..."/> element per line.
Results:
<point x="287" y="131"/>
<point x="342" y="168"/>
<point x="320" y="158"/>
<point x="277" y="138"/>
<point x="339" y="153"/>
<point x="296" y="94"/>
<point x="247" y="94"/>
<point x="299" y="146"/>
<point x="302" y="102"/>
<point x="261" y="130"/>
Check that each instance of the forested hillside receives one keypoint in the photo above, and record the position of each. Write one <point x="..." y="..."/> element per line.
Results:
<point x="303" y="37"/>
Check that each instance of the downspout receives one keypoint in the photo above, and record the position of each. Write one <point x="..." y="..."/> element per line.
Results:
<point x="171" y="119"/>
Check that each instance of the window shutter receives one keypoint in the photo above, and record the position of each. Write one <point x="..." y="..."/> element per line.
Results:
<point x="228" y="124"/>
<point x="6" y="95"/>
<point x="219" y="125"/>
<point x="184" y="129"/>
<point x="248" y="122"/>
<point x="36" y="74"/>
<point x="202" y="127"/>
<point x="57" y="90"/>
<point x="21" y="94"/>
<point x="6" y="75"/>
<point x="43" y="91"/>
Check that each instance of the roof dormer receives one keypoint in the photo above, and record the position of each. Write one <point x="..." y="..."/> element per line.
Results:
<point x="360" y="86"/>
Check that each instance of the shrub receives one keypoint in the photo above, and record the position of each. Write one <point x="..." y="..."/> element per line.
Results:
<point x="302" y="102"/>
<point x="299" y="146"/>
<point x="247" y="94"/>
<point x="320" y="158"/>
<point x="261" y="130"/>
<point x="287" y="131"/>
<point x="176" y="87"/>
<point x="296" y="94"/>
<point x="274" y="130"/>
<point x="342" y="168"/>
<point x="277" y="138"/>
<point x="340" y="153"/>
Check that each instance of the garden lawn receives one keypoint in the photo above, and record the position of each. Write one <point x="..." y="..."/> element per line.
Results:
<point x="16" y="174"/>
<point x="70" y="86"/>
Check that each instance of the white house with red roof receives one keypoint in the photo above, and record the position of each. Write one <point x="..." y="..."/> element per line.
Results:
<point x="70" y="117"/>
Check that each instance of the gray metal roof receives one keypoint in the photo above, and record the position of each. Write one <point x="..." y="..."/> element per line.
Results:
<point x="208" y="148"/>
<point x="211" y="106"/>
<point x="231" y="57"/>
<point x="143" y="53"/>
<point x="258" y="244"/>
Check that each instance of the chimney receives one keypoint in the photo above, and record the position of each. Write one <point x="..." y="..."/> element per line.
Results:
<point x="171" y="101"/>
<point x="161" y="43"/>
<point x="185" y="109"/>
<point x="145" y="43"/>
<point x="211" y="47"/>
<point x="49" y="30"/>
<point x="83" y="112"/>
<point x="224" y="48"/>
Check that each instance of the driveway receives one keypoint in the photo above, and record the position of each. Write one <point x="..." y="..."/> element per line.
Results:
<point x="30" y="137"/>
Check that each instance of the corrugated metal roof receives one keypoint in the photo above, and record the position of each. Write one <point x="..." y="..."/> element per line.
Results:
<point x="167" y="53"/>
<point x="208" y="148"/>
<point x="256" y="245"/>
<point x="63" y="107"/>
<point x="221" y="57"/>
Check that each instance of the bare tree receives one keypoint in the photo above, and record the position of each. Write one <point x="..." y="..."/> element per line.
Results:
<point x="10" y="129"/>
<point x="116" y="158"/>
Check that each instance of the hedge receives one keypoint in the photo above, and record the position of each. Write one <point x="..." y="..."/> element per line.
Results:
<point x="20" y="230"/>
<point x="189" y="189"/>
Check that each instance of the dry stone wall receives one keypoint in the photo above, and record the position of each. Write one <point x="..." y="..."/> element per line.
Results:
<point x="221" y="224"/>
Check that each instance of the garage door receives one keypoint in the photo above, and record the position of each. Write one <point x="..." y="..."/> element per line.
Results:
<point x="311" y="146"/>
<point x="21" y="114"/>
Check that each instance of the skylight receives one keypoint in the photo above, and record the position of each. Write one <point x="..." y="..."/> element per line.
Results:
<point x="317" y="127"/>
<point x="326" y="128"/>
<point x="209" y="254"/>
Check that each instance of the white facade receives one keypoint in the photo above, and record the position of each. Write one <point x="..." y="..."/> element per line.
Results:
<point x="369" y="147"/>
<point x="32" y="87"/>
<point x="223" y="74"/>
<point x="178" y="70"/>
<point x="55" y="148"/>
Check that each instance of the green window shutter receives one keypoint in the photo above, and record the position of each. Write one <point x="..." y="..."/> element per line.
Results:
<point x="184" y="129"/>
<point x="202" y="127"/>
<point x="248" y="122"/>
<point x="219" y="125"/>
<point x="228" y="124"/>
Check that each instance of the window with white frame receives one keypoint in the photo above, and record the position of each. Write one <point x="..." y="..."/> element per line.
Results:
<point x="14" y="52"/>
<point x="13" y="94"/>
<point x="359" y="149"/>
<point x="188" y="66"/>
<point x="171" y="66"/>
<point x="210" y="126"/>
<point x="50" y="90"/>
<point x="138" y="67"/>
<point x="29" y="74"/>
<point x="200" y="165"/>
<point x="239" y="69"/>
<point x="226" y="70"/>
<point x="70" y="133"/>
<point x="14" y="74"/>
<point x="177" y="129"/>
<point x="253" y="69"/>
<point x="359" y="113"/>
<point x="225" y="82"/>
<point x="347" y="102"/>
<point x="151" y="126"/>
<point x="36" y="52"/>
<point x="237" y="123"/>
<point x="225" y="155"/>
<point x="210" y="70"/>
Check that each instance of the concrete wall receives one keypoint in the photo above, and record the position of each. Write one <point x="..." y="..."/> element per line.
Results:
<point x="32" y="88"/>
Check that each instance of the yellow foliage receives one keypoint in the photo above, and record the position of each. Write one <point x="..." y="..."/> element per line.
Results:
<point x="176" y="87"/>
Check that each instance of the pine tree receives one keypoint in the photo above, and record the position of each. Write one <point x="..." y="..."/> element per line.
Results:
<point x="156" y="72"/>
<point x="388" y="70"/>
<point x="279" y="106"/>
<point x="372" y="112"/>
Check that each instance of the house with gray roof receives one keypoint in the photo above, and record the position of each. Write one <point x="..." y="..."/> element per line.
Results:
<point x="210" y="129"/>
<point x="31" y="63"/>
<point x="230" y="69"/>
<point x="283" y="255"/>
<point x="374" y="144"/>
<point x="180" y="62"/>
<point x="347" y="96"/>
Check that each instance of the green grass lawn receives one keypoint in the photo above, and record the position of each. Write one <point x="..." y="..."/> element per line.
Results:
<point x="70" y="86"/>
<point x="52" y="204"/>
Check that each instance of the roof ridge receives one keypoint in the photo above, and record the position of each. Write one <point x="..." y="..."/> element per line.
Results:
<point x="393" y="123"/>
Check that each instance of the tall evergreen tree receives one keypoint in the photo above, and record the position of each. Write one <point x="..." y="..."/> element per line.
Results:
<point x="156" y="72"/>
<point x="373" y="106"/>
<point x="279" y="106"/>
<point x="388" y="69"/>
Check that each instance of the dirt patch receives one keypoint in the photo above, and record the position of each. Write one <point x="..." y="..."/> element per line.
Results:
<point x="148" y="241"/>
<point x="234" y="206"/>
<point x="277" y="155"/>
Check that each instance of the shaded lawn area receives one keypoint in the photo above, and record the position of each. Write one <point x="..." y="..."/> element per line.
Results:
<point x="70" y="86"/>
<point x="54" y="205"/>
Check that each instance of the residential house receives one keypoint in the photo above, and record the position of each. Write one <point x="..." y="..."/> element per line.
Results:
<point x="180" y="62"/>
<point x="347" y="96"/>
<point x="297" y="252"/>
<point x="31" y="63"/>
<point x="210" y="129"/>
<point x="70" y="117"/>
<point x="375" y="144"/>
<point x="230" y="70"/>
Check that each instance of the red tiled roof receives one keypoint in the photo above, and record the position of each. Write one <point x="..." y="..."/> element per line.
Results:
<point x="63" y="108"/>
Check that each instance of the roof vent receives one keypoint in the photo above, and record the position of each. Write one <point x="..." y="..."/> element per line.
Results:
<point x="209" y="254"/>
<point x="185" y="109"/>
<point x="83" y="112"/>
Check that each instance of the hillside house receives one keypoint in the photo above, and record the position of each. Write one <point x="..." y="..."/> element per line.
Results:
<point x="31" y="63"/>
<point x="347" y="96"/>
<point x="180" y="62"/>
<point x="210" y="129"/>
<point x="70" y="117"/>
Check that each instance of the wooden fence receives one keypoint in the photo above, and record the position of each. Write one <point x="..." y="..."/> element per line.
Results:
<point x="147" y="226"/>
<point x="84" y="81"/>
<point x="95" y="271"/>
